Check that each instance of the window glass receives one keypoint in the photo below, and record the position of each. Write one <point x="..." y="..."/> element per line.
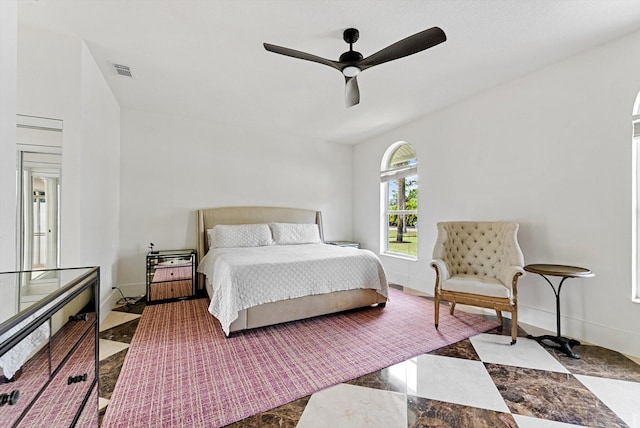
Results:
<point x="399" y="181"/>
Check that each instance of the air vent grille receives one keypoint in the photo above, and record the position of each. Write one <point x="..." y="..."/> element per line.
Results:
<point x="123" y="70"/>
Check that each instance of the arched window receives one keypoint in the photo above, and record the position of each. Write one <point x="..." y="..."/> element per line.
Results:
<point x="399" y="190"/>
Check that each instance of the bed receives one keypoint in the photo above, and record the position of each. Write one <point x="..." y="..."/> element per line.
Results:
<point x="280" y="269"/>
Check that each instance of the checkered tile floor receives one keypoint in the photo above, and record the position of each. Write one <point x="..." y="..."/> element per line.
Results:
<point x="479" y="382"/>
<point x="484" y="381"/>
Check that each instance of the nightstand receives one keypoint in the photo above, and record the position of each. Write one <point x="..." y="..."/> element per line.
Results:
<point x="171" y="275"/>
<point x="345" y="244"/>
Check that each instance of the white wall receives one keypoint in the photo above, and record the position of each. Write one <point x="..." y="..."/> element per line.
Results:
<point x="8" y="71"/>
<point x="100" y="171"/>
<point x="49" y="85"/>
<point x="172" y="166"/>
<point x="58" y="78"/>
<point x="551" y="151"/>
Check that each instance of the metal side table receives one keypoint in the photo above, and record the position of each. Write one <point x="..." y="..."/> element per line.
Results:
<point x="545" y="270"/>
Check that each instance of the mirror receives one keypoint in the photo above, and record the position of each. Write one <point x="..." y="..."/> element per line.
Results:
<point x="40" y="179"/>
<point x="39" y="175"/>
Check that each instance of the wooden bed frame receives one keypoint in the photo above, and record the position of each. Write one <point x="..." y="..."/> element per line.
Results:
<point x="286" y="310"/>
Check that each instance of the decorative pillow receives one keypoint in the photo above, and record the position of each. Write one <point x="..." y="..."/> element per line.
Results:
<point x="293" y="233"/>
<point x="239" y="235"/>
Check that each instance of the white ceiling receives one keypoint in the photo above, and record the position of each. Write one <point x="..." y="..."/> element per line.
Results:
<point x="205" y="59"/>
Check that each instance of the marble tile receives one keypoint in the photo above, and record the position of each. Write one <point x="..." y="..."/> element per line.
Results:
<point x="550" y="395"/>
<point x="422" y="412"/>
<point x="620" y="396"/>
<point x="529" y="422"/>
<point x="525" y="353"/>
<point x="393" y="378"/>
<point x="102" y="403"/>
<point x="134" y="308"/>
<point x="536" y="396"/>
<point x="600" y="362"/>
<point x="504" y="329"/>
<point x="535" y="331"/>
<point x="455" y="381"/>
<point x="109" y="347"/>
<point x="121" y="332"/>
<point x="463" y="349"/>
<point x="354" y="406"/>
<point x="286" y="416"/>
<point x="109" y="370"/>
<point x="116" y="318"/>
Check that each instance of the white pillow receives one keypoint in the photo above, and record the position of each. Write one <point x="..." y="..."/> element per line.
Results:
<point x="239" y="235"/>
<point x="293" y="233"/>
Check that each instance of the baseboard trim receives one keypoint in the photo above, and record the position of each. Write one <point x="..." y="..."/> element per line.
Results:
<point x="133" y="290"/>
<point x="626" y="342"/>
<point x="128" y="290"/>
<point x="107" y="304"/>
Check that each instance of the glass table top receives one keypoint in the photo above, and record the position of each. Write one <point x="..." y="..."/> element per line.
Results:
<point x="25" y="290"/>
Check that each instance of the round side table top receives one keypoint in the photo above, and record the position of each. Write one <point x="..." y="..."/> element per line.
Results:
<point x="560" y="270"/>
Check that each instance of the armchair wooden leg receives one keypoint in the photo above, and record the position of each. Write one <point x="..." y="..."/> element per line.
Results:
<point x="499" y="314"/>
<point x="453" y="306"/>
<point x="514" y="327"/>
<point x="436" y="310"/>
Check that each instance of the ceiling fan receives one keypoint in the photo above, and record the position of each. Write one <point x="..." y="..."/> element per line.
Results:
<point x="351" y="63"/>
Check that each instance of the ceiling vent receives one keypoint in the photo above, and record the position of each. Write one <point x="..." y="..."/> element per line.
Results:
<point x="123" y="70"/>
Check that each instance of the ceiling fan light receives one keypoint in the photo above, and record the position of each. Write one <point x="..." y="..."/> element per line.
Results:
<point x="350" y="71"/>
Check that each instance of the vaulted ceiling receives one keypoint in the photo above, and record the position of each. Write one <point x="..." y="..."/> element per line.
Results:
<point x="205" y="59"/>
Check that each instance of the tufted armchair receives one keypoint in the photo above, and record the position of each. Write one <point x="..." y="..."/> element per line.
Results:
<point x="478" y="263"/>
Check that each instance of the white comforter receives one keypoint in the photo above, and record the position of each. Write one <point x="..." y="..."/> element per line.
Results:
<point x="246" y="277"/>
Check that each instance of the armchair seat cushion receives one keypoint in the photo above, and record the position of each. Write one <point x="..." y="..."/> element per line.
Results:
<point x="485" y="286"/>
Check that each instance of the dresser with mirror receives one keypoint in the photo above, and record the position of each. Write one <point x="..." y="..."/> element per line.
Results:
<point x="49" y="348"/>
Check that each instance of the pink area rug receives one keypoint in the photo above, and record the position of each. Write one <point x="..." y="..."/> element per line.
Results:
<point x="181" y="370"/>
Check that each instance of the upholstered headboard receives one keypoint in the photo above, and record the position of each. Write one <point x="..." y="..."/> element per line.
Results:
<point x="207" y="218"/>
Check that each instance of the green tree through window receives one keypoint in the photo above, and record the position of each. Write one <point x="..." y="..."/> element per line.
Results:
<point x="399" y="180"/>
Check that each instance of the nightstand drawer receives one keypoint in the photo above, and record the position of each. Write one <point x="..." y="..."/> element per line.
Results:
<point x="171" y="275"/>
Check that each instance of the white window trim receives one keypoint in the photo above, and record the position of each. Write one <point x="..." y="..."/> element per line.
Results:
<point x="387" y="175"/>
<point x="635" y="247"/>
<point x="401" y="172"/>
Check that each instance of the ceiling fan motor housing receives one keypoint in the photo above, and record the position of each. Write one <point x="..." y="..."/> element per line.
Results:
<point x="350" y="57"/>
